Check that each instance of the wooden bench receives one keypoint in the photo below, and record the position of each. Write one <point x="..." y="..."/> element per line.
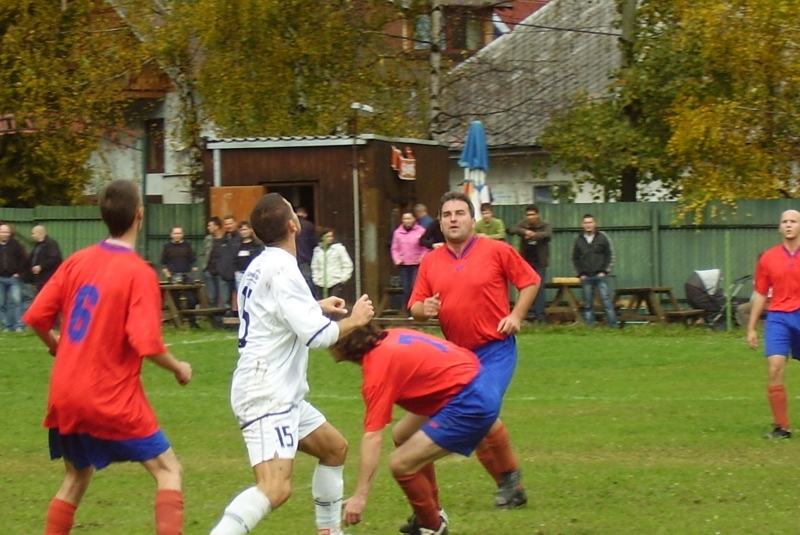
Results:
<point x="383" y="304"/>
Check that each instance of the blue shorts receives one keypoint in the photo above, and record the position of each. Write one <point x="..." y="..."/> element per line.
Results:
<point x="782" y="334"/>
<point x="84" y="450"/>
<point x="498" y="360"/>
<point x="460" y="425"/>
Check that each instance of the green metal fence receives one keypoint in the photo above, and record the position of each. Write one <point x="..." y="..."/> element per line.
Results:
<point x="652" y="246"/>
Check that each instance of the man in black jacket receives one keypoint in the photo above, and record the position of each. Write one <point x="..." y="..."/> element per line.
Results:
<point x="13" y="263"/>
<point x="593" y="256"/>
<point x="534" y="246"/>
<point x="45" y="257"/>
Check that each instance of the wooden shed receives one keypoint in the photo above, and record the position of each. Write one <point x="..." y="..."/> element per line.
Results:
<point x="329" y="176"/>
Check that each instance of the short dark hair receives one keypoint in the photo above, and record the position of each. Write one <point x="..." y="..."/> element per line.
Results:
<point x="269" y="218"/>
<point x="587" y="215"/>
<point x="358" y="343"/>
<point x="229" y="216"/>
<point x="119" y="201"/>
<point x="531" y="208"/>
<point x="456" y="196"/>
<point x="486" y="207"/>
<point x="245" y="223"/>
<point x="214" y="220"/>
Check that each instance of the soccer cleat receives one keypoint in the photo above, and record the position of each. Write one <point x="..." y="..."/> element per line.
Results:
<point x="441" y="531"/>
<point x="411" y="525"/>
<point x="779" y="432"/>
<point x="510" y="494"/>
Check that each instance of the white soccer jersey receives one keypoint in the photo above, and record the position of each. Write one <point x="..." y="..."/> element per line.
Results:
<point x="278" y="321"/>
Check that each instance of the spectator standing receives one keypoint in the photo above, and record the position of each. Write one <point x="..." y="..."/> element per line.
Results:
<point x="331" y="266"/>
<point x="210" y="259"/>
<point x="249" y="248"/>
<point x="466" y="285"/>
<point x="178" y="258"/>
<point x="306" y="242"/>
<point x="229" y="249"/>
<point x="534" y="246"/>
<point x="407" y="252"/>
<point x="178" y="266"/>
<point x="488" y="225"/>
<point x="433" y="238"/>
<point x="593" y="258"/>
<point x="778" y="270"/>
<point x="97" y="411"/>
<point x="423" y="218"/>
<point x="45" y="257"/>
<point x="279" y="322"/>
<point x="429" y="377"/>
<point x="13" y="264"/>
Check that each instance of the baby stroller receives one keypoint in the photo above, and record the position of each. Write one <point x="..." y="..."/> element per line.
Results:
<point x="704" y="291"/>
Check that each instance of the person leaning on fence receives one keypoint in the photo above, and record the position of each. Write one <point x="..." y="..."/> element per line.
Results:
<point x="534" y="246"/>
<point x="778" y="270"/>
<point x="488" y="225"/>
<point x="331" y="266"/>
<point x="593" y="257"/>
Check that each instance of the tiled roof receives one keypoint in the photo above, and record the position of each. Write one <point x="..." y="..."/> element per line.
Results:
<point x="515" y="83"/>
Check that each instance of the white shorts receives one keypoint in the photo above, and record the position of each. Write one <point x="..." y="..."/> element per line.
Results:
<point x="277" y="435"/>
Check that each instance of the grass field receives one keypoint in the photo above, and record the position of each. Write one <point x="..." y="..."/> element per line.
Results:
<point x="647" y="430"/>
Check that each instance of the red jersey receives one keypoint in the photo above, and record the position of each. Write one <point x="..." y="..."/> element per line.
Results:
<point x="779" y="270"/>
<point x="417" y="371"/>
<point x="473" y="288"/>
<point x="111" y="318"/>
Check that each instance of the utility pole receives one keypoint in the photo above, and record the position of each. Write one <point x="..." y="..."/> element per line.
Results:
<point x="434" y="105"/>
<point x="631" y="113"/>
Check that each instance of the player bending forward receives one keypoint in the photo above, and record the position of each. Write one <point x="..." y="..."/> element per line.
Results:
<point x="429" y="377"/>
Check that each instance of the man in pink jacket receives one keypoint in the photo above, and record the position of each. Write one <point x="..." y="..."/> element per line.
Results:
<point x="407" y="253"/>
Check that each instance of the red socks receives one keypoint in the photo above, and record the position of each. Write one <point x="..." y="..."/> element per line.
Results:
<point x="495" y="454"/>
<point x="418" y="490"/>
<point x="169" y="512"/>
<point x="60" y="517"/>
<point x="778" y="404"/>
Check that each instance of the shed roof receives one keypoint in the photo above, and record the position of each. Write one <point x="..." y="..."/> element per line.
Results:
<point x="518" y="81"/>
<point x="308" y="141"/>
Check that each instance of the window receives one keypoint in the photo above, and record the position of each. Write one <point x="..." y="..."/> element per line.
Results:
<point x="154" y="136"/>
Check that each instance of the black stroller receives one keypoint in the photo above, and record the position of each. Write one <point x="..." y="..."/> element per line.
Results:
<point x="704" y="291"/>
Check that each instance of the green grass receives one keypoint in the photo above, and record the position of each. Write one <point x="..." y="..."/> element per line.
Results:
<point x="647" y="430"/>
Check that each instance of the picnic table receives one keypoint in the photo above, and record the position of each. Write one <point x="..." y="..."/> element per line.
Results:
<point x="177" y="313"/>
<point x="652" y="304"/>
<point x="564" y="306"/>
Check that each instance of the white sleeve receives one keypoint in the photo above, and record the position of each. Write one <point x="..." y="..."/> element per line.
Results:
<point x="302" y="312"/>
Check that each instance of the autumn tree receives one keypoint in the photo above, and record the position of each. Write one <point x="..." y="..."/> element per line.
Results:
<point x="708" y="105"/>
<point x="63" y="70"/>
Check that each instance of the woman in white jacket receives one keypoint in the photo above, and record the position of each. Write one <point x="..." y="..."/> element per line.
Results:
<point x="331" y="266"/>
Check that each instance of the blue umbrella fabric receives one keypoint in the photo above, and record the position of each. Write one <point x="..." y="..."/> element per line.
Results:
<point x="475" y="161"/>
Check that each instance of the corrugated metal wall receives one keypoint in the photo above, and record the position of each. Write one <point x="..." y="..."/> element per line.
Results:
<point x="75" y="227"/>
<point x="652" y="246"/>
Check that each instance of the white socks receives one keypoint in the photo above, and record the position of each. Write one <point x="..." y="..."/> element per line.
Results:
<point x="327" y="487"/>
<point x="243" y="513"/>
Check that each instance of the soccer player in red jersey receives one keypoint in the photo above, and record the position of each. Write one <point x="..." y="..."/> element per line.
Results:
<point x="97" y="412"/>
<point x="778" y="270"/>
<point x="439" y="381"/>
<point x="465" y="285"/>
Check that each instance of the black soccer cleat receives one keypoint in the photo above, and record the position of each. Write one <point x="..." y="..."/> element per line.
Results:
<point x="779" y="432"/>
